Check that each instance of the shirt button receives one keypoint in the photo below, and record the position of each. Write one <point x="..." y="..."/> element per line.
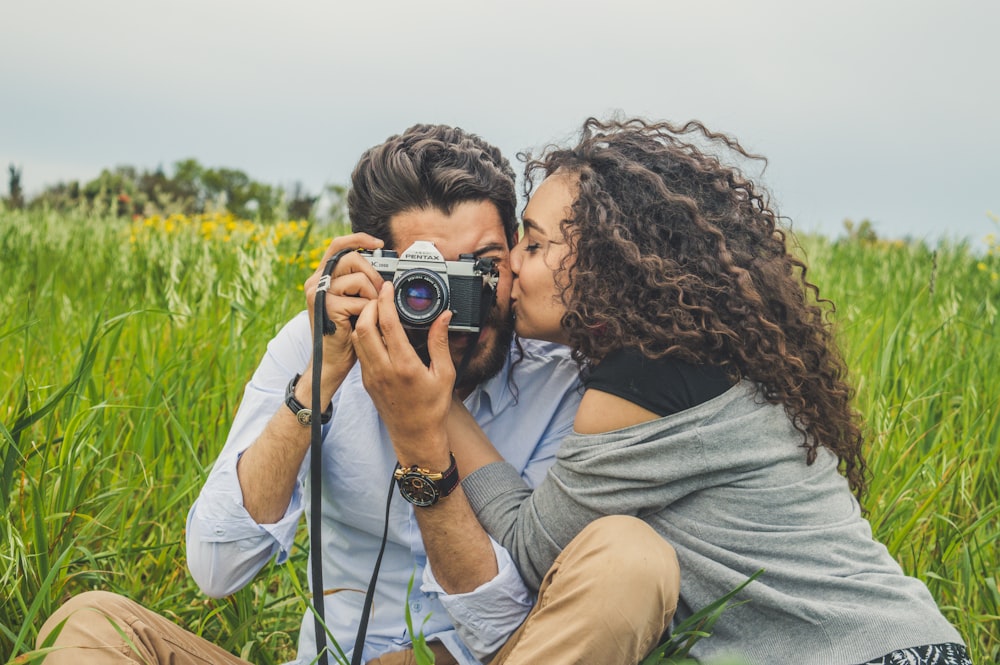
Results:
<point x="219" y="531"/>
<point x="416" y="606"/>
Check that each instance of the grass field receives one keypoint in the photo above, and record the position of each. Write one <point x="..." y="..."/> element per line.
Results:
<point x="125" y="345"/>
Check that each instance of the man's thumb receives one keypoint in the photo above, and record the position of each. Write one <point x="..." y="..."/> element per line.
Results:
<point x="437" y="339"/>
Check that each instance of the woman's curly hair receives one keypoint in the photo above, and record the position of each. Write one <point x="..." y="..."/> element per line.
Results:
<point x="678" y="254"/>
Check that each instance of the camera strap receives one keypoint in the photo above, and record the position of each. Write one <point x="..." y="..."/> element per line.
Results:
<point x="322" y="325"/>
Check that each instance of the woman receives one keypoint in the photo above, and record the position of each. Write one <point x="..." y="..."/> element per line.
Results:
<point x="716" y="407"/>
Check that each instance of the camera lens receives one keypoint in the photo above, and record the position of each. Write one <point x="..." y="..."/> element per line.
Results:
<point x="418" y="296"/>
<point x="421" y="296"/>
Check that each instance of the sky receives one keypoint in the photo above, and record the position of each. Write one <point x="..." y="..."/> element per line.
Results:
<point x="887" y="110"/>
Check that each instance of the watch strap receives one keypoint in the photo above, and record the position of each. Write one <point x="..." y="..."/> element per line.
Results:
<point x="303" y="413"/>
<point x="444" y="481"/>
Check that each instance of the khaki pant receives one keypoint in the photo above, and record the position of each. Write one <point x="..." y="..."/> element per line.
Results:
<point x="607" y="599"/>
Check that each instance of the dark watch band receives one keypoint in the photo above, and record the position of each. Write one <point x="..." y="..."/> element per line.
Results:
<point x="423" y="488"/>
<point x="302" y="413"/>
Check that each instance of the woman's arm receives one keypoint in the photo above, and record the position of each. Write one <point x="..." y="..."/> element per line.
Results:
<point x="470" y="445"/>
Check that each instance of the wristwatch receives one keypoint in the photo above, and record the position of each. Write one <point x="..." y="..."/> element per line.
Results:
<point x="302" y="413"/>
<point x="423" y="488"/>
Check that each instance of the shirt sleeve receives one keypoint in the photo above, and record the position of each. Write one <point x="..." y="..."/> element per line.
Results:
<point x="486" y="616"/>
<point x="226" y="548"/>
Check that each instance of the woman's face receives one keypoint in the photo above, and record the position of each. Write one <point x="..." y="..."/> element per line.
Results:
<point x="537" y="255"/>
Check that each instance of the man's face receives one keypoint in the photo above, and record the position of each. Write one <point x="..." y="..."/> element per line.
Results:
<point x="473" y="227"/>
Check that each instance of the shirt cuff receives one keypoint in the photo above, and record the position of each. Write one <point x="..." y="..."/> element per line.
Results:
<point x="486" y="616"/>
<point x="222" y="517"/>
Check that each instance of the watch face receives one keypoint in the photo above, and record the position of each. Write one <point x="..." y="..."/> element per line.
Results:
<point x="418" y="489"/>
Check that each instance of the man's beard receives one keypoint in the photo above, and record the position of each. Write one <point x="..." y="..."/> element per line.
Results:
<point x="487" y="361"/>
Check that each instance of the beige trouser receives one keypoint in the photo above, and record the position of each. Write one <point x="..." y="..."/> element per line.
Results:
<point x="607" y="599"/>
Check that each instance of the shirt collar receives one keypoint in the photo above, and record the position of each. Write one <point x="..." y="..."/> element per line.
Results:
<point x="493" y="395"/>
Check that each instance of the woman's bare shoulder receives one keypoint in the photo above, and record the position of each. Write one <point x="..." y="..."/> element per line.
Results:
<point x="603" y="412"/>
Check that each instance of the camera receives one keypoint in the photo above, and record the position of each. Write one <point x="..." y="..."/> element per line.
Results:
<point x="426" y="285"/>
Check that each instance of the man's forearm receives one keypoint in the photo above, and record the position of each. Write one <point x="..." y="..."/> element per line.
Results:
<point x="268" y="469"/>
<point x="458" y="549"/>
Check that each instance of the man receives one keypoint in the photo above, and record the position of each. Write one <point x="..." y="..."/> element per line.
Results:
<point x="431" y="183"/>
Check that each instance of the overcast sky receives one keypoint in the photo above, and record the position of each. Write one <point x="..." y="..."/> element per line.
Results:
<point x="880" y="109"/>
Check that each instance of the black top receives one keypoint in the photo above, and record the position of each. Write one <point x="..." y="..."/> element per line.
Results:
<point x="661" y="385"/>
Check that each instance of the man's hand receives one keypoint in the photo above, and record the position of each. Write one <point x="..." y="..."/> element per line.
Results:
<point x="414" y="402"/>
<point x="353" y="284"/>
<point x="268" y="469"/>
<point x="412" y="399"/>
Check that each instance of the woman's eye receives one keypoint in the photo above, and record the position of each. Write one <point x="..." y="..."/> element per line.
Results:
<point x="532" y="247"/>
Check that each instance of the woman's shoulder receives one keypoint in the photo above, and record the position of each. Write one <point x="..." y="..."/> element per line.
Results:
<point x="601" y="412"/>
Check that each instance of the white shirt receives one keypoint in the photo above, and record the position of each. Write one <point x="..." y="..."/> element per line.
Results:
<point x="525" y="411"/>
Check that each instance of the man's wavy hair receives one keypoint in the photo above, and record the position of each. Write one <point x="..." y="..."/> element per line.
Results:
<point x="678" y="254"/>
<point x="429" y="166"/>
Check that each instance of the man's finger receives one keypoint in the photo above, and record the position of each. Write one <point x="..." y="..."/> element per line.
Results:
<point x="353" y="241"/>
<point x="342" y="308"/>
<point x="349" y="263"/>
<point x="355" y="284"/>
<point x="367" y="339"/>
<point x="437" y="344"/>
<point x="396" y="340"/>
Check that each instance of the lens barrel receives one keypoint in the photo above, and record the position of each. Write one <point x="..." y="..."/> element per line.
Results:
<point x="421" y="296"/>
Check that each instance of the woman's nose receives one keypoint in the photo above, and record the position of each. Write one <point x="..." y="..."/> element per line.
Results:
<point x="515" y="260"/>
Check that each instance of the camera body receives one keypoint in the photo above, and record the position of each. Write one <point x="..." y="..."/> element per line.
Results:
<point x="426" y="285"/>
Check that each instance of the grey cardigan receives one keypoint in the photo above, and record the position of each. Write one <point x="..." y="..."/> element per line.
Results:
<point x="727" y="484"/>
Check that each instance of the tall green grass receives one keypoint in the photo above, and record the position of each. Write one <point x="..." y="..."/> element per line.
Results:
<point x="125" y="349"/>
<point x="921" y="334"/>
<point x="122" y="366"/>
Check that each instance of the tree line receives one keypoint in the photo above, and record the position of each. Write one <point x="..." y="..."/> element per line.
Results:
<point x="190" y="188"/>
